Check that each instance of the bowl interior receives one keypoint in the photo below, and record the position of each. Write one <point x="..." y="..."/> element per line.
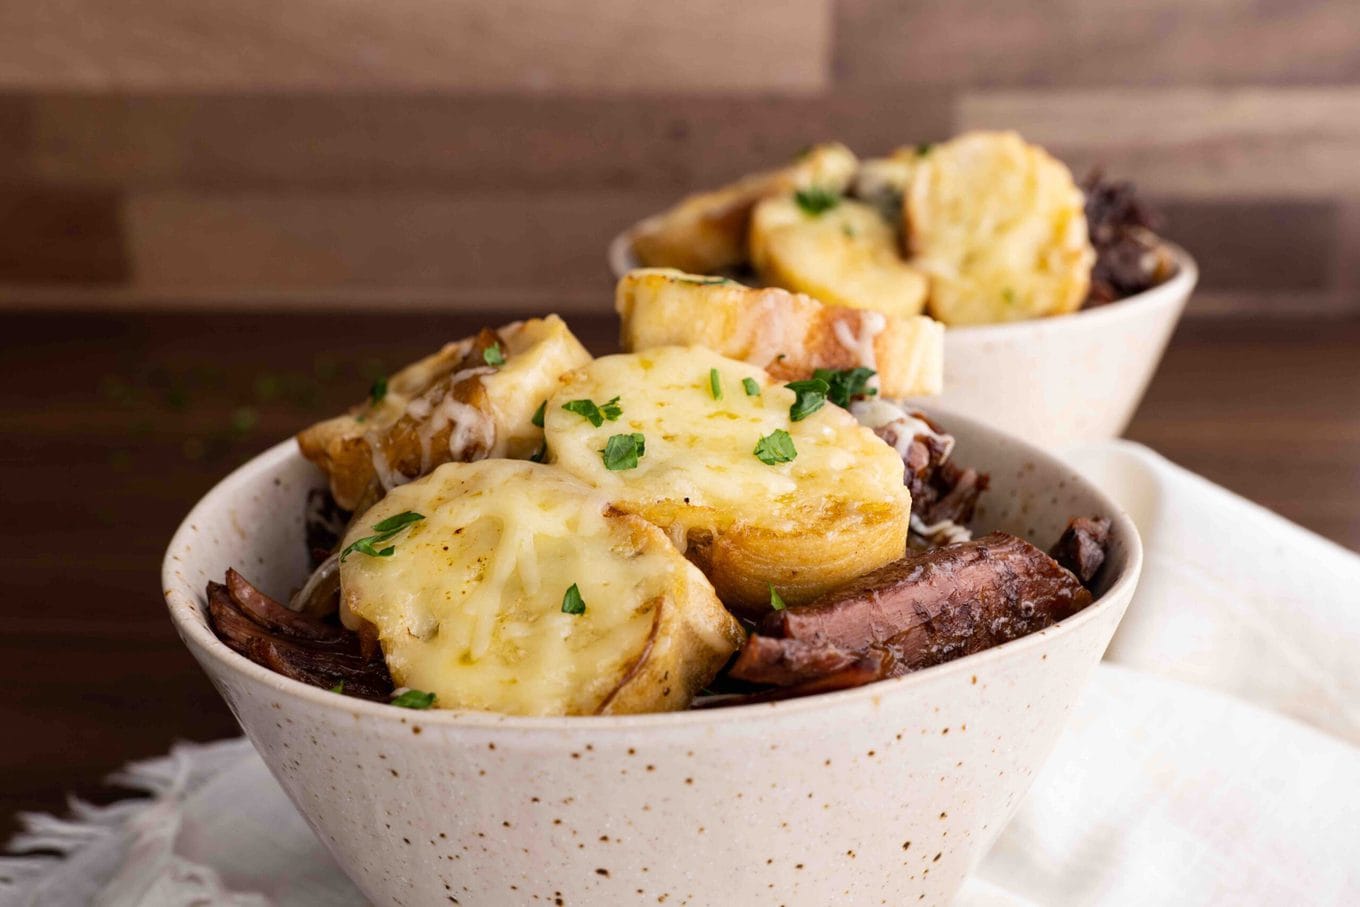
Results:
<point x="254" y="520"/>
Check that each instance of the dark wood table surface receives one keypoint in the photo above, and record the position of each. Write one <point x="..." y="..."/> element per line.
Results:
<point x="112" y="425"/>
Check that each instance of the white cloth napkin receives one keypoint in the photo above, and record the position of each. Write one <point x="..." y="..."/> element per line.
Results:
<point x="1189" y="773"/>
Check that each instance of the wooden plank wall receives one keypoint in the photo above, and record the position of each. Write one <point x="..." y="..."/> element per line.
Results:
<point x="443" y="153"/>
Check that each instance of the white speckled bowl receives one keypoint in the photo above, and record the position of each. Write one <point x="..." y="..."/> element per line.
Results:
<point x="887" y="794"/>
<point x="1052" y="381"/>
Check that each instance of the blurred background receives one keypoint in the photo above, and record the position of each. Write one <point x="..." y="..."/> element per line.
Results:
<point x="219" y="222"/>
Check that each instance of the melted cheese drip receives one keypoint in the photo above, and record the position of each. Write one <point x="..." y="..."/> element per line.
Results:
<point x="861" y="345"/>
<point x="941" y="532"/>
<point x="470" y="604"/>
<point x="699" y="472"/>
<point x="876" y="413"/>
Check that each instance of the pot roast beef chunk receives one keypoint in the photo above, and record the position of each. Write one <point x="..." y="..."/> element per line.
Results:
<point x="1082" y="547"/>
<point x="942" y="492"/>
<point x="308" y="649"/>
<point x="950" y="493"/>
<point x="938" y="605"/>
<point x="1129" y="256"/>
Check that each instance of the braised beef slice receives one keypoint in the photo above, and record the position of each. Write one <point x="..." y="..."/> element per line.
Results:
<point x="938" y="605"/>
<point x="273" y="616"/>
<point x="1082" y="547"/>
<point x="784" y="662"/>
<point x="875" y="664"/>
<point x="303" y="648"/>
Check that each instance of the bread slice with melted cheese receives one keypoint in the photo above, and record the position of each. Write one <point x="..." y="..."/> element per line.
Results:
<point x="837" y="510"/>
<point x="999" y="226"/>
<point x="469" y="604"/>
<point x="846" y="255"/>
<point x="788" y="334"/>
<point x="453" y="405"/>
<point x="706" y="232"/>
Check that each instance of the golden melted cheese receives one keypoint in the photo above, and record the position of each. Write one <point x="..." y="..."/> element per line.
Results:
<point x="701" y="481"/>
<point x="469" y="606"/>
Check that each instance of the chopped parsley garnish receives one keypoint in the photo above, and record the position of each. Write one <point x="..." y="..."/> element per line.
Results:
<point x="622" y="451"/>
<point x="776" y="447"/>
<point x="492" y="355"/>
<point x="752" y="386"/>
<point x="715" y="383"/>
<point x="339" y="687"/>
<point x="811" y="397"/>
<point x="384" y="531"/>
<point x="595" y="415"/>
<point x="923" y="149"/>
<point x="538" y="414"/>
<point x="414" y="699"/>
<point x="776" y="602"/>
<point x="848" y="230"/>
<point x="814" y="200"/>
<point x="572" y="603"/>
<point x="378" y="390"/>
<point x="846" y="384"/>
<point x="539" y="455"/>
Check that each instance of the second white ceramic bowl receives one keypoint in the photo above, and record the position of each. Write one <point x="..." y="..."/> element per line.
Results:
<point x="1052" y="381"/>
<point x="885" y="794"/>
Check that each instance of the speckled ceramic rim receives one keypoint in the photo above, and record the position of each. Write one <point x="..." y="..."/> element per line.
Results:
<point x="187" y="615"/>
<point x="622" y="260"/>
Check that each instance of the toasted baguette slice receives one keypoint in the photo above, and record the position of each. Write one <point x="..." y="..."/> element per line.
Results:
<point x="836" y="510"/>
<point x="452" y="405"/>
<point x="999" y="226"/>
<point x="847" y="255"/>
<point x="788" y="334"/>
<point x="706" y="232"/>
<point x="469" y="605"/>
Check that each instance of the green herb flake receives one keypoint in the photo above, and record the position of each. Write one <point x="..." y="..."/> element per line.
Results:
<point x="339" y="687"/>
<point x="752" y="387"/>
<point x="594" y="414"/>
<point x="848" y="230"/>
<point x="539" y="455"/>
<point x="622" y="451"/>
<point x="776" y="447"/>
<point x="715" y="383"/>
<point x="537" y="420"/>
<point x="400" y="521"/>
<point x="811" y="396"/>
<point x="492" y="355"/>
<point x="846" y="384"/>
<point x="384" y="531"/>
<point x="1008" y="296"/>
<point x="924" y="148"/>
<point x="378" y="390"/>
<point x="572" y="603"/>
<point x="414" y="699"/>
<point x="776" y="602"/>
<point x="815" y="200"/>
